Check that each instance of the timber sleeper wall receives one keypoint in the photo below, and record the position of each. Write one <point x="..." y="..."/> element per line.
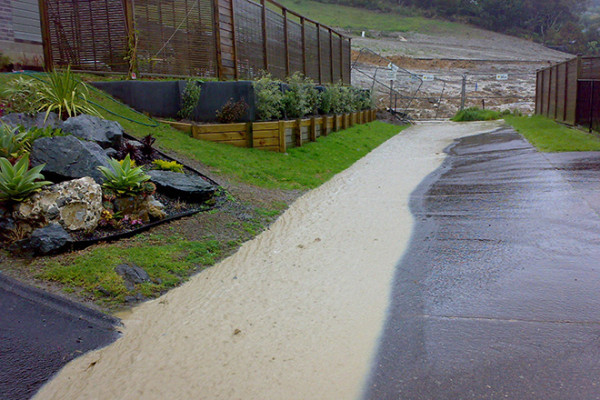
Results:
<point x="275" y="135"/>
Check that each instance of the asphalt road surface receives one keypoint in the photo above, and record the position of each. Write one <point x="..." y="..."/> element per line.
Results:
<point x="498" y="294"/>
<point x="39" y="333"/>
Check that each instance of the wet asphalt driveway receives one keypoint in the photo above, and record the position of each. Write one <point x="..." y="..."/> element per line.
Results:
<point x="40" y="333"/>
<point x="498" y="296"/>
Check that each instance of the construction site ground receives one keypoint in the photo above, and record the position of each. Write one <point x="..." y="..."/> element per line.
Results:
<point x="499" y="70"/>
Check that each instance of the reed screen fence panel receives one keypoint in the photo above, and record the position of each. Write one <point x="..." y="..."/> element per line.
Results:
<point x="226" y="39"/>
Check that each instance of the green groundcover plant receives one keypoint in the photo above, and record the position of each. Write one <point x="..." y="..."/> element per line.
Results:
<point x="18" y="182"/>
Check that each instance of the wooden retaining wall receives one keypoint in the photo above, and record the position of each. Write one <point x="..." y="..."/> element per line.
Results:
<point x="275" y="135"/>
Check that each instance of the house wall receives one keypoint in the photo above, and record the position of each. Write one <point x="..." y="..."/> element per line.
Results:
<point x="6" y="24"/>
<point x="20" y="32"/>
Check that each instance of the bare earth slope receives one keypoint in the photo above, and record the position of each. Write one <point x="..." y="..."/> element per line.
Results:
<point x="477" y="54"/>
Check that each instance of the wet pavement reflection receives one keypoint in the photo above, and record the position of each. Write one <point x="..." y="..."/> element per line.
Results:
<point x="498" y="296"/>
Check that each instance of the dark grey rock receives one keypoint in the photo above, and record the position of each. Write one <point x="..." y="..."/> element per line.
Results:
<point x="87" y="127"/>
<point x="67" y="157"/>
<point x="104" y="291"/>
<point x="110" y="152"/>
<point x="132" y="273"/>
<point x="28" y="121"/>
<point x="49" y="239"/>
<point x="182" y="185"/>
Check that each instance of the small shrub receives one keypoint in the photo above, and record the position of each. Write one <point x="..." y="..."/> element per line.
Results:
<point x="342" y="99"/>
<point x="5" y="62"/>
<point x="361" y="99"/>
<point x="268" y="98"/>
<point x="301" y="97"/>
<point x="35" y="133"/>
<point x="232" y="111"/>
<point x="64" y="94"/>
<point x="189" y="99"/>
<point x="129" y="149"/>
<point x="18" y="182"/>
<point x="20" y="96"/>
<point x="147" y="150"/>
<point x="476" y="114"/>
<point x="13" y="144"/>
<point x="165" y="165"/>
<point x="122" y="179"/>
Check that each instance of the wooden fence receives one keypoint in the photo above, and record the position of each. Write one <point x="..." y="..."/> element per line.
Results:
<point x="227" y="39"/>
<point x="276" y="135"/>
<point x="570" y="92"/>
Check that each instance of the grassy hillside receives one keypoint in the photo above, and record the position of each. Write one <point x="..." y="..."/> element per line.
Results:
<point x="358" y="19"/>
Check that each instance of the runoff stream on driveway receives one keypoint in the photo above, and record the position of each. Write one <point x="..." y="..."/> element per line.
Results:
<point x="296" y="313"/>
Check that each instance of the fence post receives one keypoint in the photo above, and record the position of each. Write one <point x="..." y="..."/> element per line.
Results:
<point x="566" y="103"/>
<point x="303" y="28"/>
<point x="549" y="92"/>
<point x="234" y="40"/>
<point x="331" y="55"/>
<point x="282" y="143"/>
<point x="217" y="30"/>
<point x="591" y="105"/>
<point x="341" y="57"/>
<point x="46" y="42"/>
<point x="264" y="34"/>
<point x="299" y="133"/>
<point x="556" y="93"/>
<point x="319" y="51"/>
<point x="463" y="92"/>
<point x="286" y="42"/>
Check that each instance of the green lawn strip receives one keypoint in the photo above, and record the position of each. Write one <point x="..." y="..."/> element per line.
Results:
<point x="168" y="260"/>
<point x="346" y="17"/>
<point x="550" y="136"/>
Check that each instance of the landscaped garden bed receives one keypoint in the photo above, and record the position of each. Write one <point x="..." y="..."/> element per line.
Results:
<point x="257" y="186"/>
<point x="69" y="180"/>
<point x="266" y="114"/>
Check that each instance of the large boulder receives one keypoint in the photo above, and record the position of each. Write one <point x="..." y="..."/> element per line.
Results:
<point x="47" y="240"/>
<point x="67" y="157"/>
<point x="87" y="127"/>
<point x="75" y="205"/>
<point x="28" y="121"/>
<point x="176" y="184"/>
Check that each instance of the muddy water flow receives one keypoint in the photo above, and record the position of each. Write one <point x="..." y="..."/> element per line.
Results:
<point x="295" y="313"/>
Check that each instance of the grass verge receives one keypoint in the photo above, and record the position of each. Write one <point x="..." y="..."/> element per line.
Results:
<point x="550" y="136"/>
<point x="167" y="259"/>
<point x="352" y="18"/>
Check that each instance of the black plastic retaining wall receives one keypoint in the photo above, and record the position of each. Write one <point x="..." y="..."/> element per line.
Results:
<point x="163" y="98"/>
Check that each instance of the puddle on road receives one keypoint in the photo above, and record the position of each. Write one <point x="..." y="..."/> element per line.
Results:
<point x="296" y="313"/>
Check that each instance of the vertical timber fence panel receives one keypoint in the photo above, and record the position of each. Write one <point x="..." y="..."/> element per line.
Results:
<point x="227" y="39"/>
<point x="569" y="92"/>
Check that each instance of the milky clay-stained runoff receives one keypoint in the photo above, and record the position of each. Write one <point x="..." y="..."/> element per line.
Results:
<point x="296" y="313"/>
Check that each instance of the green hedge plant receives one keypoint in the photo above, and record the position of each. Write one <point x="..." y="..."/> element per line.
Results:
<point x="269" y="98"/>
<point x="18" y="182"/>
<point x="190" y="98"/>
<point x="301" y="97"/>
